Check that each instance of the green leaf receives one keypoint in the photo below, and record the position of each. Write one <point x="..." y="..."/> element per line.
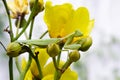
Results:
<point x="78" y="33"/>
<point x="43" y="43"/>
<point x="71" y="36"/>
<point x="80" y="41"/>
<point x="73" y="46"/>
<point x="69" y="39"/>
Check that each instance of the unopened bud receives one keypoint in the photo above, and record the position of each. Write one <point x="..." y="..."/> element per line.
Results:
<point x="74" y="56"/>
<point x="22" y="22"/>
<point x="86" y="44"/>
<point x="13" y="49"/>
<point x="53" y="50"/>
<point x="39" y="6"/>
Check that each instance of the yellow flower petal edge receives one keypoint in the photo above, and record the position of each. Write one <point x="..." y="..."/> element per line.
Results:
<point x="29" y="75"/>
<point x="90" y="26"/>
<point x="62" y="20"/>
<point x="43" y="57"/>
<point x="49" y="70"/>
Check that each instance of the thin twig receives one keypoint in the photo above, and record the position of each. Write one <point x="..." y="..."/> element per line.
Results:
<point x="3" y="46"/>
<point x="43" y="34"/>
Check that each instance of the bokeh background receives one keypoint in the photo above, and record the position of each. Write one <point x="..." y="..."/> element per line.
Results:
<point x="102" y="60"/>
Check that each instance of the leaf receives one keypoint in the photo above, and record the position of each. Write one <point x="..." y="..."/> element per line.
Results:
<point x="80" y="41"/>
<point x="70" y="37"/>
<point x="73" y="46"/>
<point x="78" y="33"/>
<point x="40" y="42"/>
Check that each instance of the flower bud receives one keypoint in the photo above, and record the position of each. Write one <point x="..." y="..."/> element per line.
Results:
<point x="53" y="50"/>
<point x="39" y="6"/>
<point x="22" y="22"/>
<point x="86" y="44"/>
<point x="74" y="56"/>
<point x="13" y="49"/>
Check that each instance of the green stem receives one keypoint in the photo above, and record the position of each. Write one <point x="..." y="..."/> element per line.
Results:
<point x="57" y="72"/>
<point x="10" y="24"/>
<point x="18" y="25"/>
<point x="43" y="34"/>
<point x="66" y="65"/>
<point x="11" y="37"/>
<point x="39" y="67"/>
<point x="58" y="75"/>
<point x="22" y="76"/>
<point x="11" y="68"/>
<point x="31" y="29"/>
<point x="26" y="25"/>
<point x="17" y="64"/>
<point x="55" y="63"/>
<point x="58" y="58"/>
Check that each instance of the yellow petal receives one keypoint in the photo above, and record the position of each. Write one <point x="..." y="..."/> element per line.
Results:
<point x="69" y="75"/>
<point x="43" y="57"/>
<point x="29" y="75"/>
<point x="48" y="77"/>
<point x="12" y="6"/>
<point x="90" y="26"/>
<point x="40" y="2"/>
<point x="80" y="20"/>
<point x="18" y="7"/>
<point x="56" y="18"/>
<point x="49" y="71"/>
<point x="24" y="6"/>
<point x="21" y="4"/>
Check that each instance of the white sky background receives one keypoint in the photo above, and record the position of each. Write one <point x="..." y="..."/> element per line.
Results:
<point x="107" y="22"/>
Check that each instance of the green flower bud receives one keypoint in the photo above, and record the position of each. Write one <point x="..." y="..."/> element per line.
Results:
<point x="74" y="56"/>
<point x="86" y="44"/>
<point x="53" y="50"/>
<point x="22" y="22"/>
<point x="13" y="49"/>
<point x="39" y="6"/>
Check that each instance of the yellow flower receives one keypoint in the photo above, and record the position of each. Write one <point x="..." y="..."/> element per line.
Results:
<point x="62" y="20"/>
<point x="48" y="70"/>
<point x="18" y="7"/>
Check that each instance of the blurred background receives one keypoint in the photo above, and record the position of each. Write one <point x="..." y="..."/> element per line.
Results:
<point x="102" y="60"/>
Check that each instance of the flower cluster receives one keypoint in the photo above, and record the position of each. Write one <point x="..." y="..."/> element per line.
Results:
<point x="69" y="30"/>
